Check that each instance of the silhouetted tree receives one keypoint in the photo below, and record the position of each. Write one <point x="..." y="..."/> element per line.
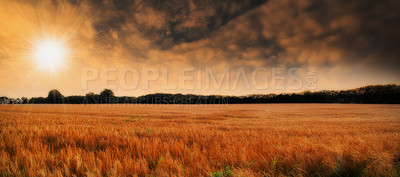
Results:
<point x="4" y="100"/>
<point x="91" y="98"/>
<point x="107" y="93"/>
<point x="37" y="100"/>
<point x="55" y="96"/>
<point x="24" y="100"/>
<point x="377" y="94"/>
<point x="74" y="99"/>
<point x="107" y="96"/>
<point x="90" y="94"/>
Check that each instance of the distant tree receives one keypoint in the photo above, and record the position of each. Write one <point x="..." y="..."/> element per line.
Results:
<point x="38" y="100"/>
<point x="107" y="96"/>
<point x="106" y="93"/>
<point x="76" y="99"/>
<point x="376" y="94"/>
<point x="24" y="100"/>
<point x="55" y="96"/>
<point x="91" y="98"/>
<point x="4" y="100"/>
<point x="90" y="94"/>
<point x="18" y="101"/>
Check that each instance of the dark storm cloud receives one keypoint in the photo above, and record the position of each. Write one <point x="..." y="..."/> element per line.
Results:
<point x="182" y="20"/>
<point x="358" y="32"/>
<point x="292" y="33"/>
<point x="363" y="28"/>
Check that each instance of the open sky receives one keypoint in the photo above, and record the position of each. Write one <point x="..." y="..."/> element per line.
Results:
<point x="48" y="44"/>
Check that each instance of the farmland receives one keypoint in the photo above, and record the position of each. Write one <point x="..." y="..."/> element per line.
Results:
<point x="200" y="140"/>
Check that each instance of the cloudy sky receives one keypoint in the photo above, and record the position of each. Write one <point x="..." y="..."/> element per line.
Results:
<point x="351" y="43"/>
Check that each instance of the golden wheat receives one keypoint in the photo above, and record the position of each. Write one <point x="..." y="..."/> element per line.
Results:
<point x="198" y="140"/>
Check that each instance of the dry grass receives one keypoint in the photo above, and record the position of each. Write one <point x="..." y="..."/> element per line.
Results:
<point x="198" y="140"/>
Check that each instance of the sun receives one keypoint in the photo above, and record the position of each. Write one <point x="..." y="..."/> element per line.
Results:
<point x="50" y="54"/>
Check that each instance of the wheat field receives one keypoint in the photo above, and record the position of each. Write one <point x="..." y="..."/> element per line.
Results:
<point x="200" y="140"/>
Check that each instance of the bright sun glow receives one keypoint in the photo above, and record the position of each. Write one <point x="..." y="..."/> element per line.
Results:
<point x="50" y="54"/>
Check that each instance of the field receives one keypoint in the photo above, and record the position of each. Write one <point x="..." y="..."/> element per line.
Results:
<point x="200" y="140"/>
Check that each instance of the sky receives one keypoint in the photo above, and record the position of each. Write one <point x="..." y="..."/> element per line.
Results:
<point x="175" y="46"/>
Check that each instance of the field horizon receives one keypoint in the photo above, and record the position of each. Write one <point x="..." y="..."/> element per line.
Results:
<point x="371" y="94"/>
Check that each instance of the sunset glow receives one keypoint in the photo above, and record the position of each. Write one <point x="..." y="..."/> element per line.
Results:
<point x="267" y="46"/>
<point x="199" y="88"/>
<point x="50" y="54"/>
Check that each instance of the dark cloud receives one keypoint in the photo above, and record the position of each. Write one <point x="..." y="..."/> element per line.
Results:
<point x="360" y="30"/>
<point x="176" y="21"/>
<point x="363" y="28"/>
<point x="336" y="32"/>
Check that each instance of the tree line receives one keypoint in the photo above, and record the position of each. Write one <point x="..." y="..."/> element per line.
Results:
<point x="373" y="94"/>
